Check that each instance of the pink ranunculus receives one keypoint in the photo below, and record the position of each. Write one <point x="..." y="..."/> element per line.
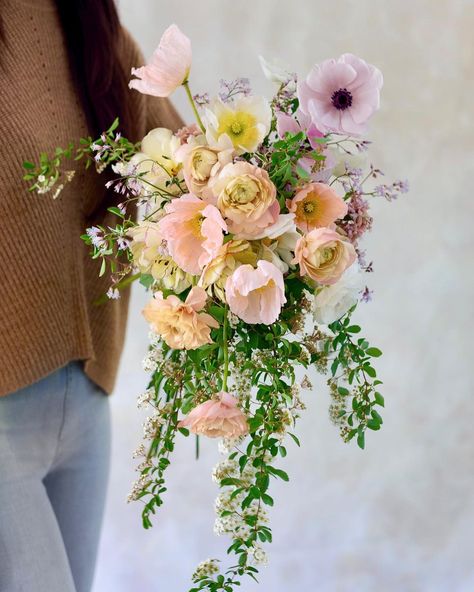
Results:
<point x="180" y="324"/>
<point x="316" y="205"/>
<point x="324" y="255"/>
<point x="168" y="68"/>
<point x="256" y="295"/>
<point x="341" y="95"/>
<point x="219" y="417"/>
<point x="193" y="231"/>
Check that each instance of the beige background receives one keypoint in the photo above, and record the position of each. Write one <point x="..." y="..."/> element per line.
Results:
<point x="398" y="517"/>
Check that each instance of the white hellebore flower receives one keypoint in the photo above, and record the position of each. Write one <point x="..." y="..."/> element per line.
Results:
<point x="157" y="159"/>
<point x="332" y="302"/>
<point x="274" y="70"/>
<point x="246" y="121"/>
<point x="342" y="160"/>
<point x="278" y="241"/>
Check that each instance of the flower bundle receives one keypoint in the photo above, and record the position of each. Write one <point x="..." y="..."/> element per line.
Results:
<point x="249" y="243"/>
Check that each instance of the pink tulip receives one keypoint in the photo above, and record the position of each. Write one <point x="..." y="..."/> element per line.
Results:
<point x="168" y="68"/>
<point x="219" y="417"/>
<point x="256" y="295"/>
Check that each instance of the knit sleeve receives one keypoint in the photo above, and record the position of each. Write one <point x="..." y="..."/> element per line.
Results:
<point x="159" y="112"/>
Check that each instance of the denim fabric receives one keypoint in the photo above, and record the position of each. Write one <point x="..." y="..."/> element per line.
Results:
<point x="54" y="464"/>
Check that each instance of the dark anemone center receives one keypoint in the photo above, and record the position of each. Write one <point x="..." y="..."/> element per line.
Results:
<point x="341" y="99"/>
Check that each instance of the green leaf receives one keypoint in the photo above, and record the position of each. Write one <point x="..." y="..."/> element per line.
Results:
<point x="278" y="473"/>
<point x="353" y="329"/>
<point x="361" y="439"/>
<point x="375" y="352"/>
<point x="373" y="424"/>
<point x="379" y="400"/>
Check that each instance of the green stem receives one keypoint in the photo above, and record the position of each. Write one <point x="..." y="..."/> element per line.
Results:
<point x="197" y="447"/>
<point x="193" y="105"/>
<point x="225" y="350"/>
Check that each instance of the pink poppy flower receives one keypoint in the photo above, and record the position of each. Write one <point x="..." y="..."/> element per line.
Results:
<point x="219" y="417"/>
<point x="341" y="95"/>
<point x="316" y="205"/>
<point x="256" y="295"/>
<point x="179" y="323"/>
<point x="193" y="231"/>
<point x="324" y="255"/>
<point x="168" y="68"/>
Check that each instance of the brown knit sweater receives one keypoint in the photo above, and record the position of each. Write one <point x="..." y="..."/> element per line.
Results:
<point x="48" y="282"/>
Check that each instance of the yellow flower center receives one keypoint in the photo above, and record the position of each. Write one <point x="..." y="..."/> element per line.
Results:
<point x="195" y="225"/>
<point x="262" y="289"/>
<point x="240" y="127"/>
<point x="307" y="209"/>
<point x="236" y="128"/>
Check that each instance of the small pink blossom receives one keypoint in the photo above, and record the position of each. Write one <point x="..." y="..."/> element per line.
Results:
<point x="341" y="95"/>
<point x="168" y="68"/>
<point x="219" y="417"/>
<point x="256" y="295"/>
<point x="297" y="123"/>
<point x="179" y="323"/>
<point x="193" y="231"/>
<point x="188" y="131"/>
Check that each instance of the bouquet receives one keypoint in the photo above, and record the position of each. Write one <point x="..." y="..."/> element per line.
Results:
<point x="248" y="241"/>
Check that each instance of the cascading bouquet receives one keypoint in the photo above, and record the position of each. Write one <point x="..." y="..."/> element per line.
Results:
<point x="248" y="241"/>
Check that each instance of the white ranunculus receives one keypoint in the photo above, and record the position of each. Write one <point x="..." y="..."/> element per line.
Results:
<point x="157" y="162"/>
<point x="332" y="302"/>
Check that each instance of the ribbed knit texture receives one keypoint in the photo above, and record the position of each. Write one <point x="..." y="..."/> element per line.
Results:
<point x="48" y="282"/>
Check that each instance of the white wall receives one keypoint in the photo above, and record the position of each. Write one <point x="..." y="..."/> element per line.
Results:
<point x="399" y="516"/>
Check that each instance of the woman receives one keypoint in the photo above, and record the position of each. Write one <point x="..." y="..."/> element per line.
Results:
<point x="64" y="68"/>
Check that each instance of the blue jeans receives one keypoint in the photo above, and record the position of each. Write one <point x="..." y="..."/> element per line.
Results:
<point x="54" y="464"/>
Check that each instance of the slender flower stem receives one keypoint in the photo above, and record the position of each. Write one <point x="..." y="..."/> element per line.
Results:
<point x="193" y="105"/>
<point x="225" y="350"/>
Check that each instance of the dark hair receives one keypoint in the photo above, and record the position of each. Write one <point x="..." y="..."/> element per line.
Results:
<point x="93" y="36"/>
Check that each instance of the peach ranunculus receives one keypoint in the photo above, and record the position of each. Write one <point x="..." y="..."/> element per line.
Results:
<point x="193" y="230"/>
<point x="256" y="295"/>
<point x="324" y="255"/>
<point x="232" y="254"/>
<point x="201" y="162"/>
<point x="316" y="206"/>
<point x="180" y="324"/>
<point x="168" y="68"/>
<point x="220" y="417"/>
<point x="245" y="197"/>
